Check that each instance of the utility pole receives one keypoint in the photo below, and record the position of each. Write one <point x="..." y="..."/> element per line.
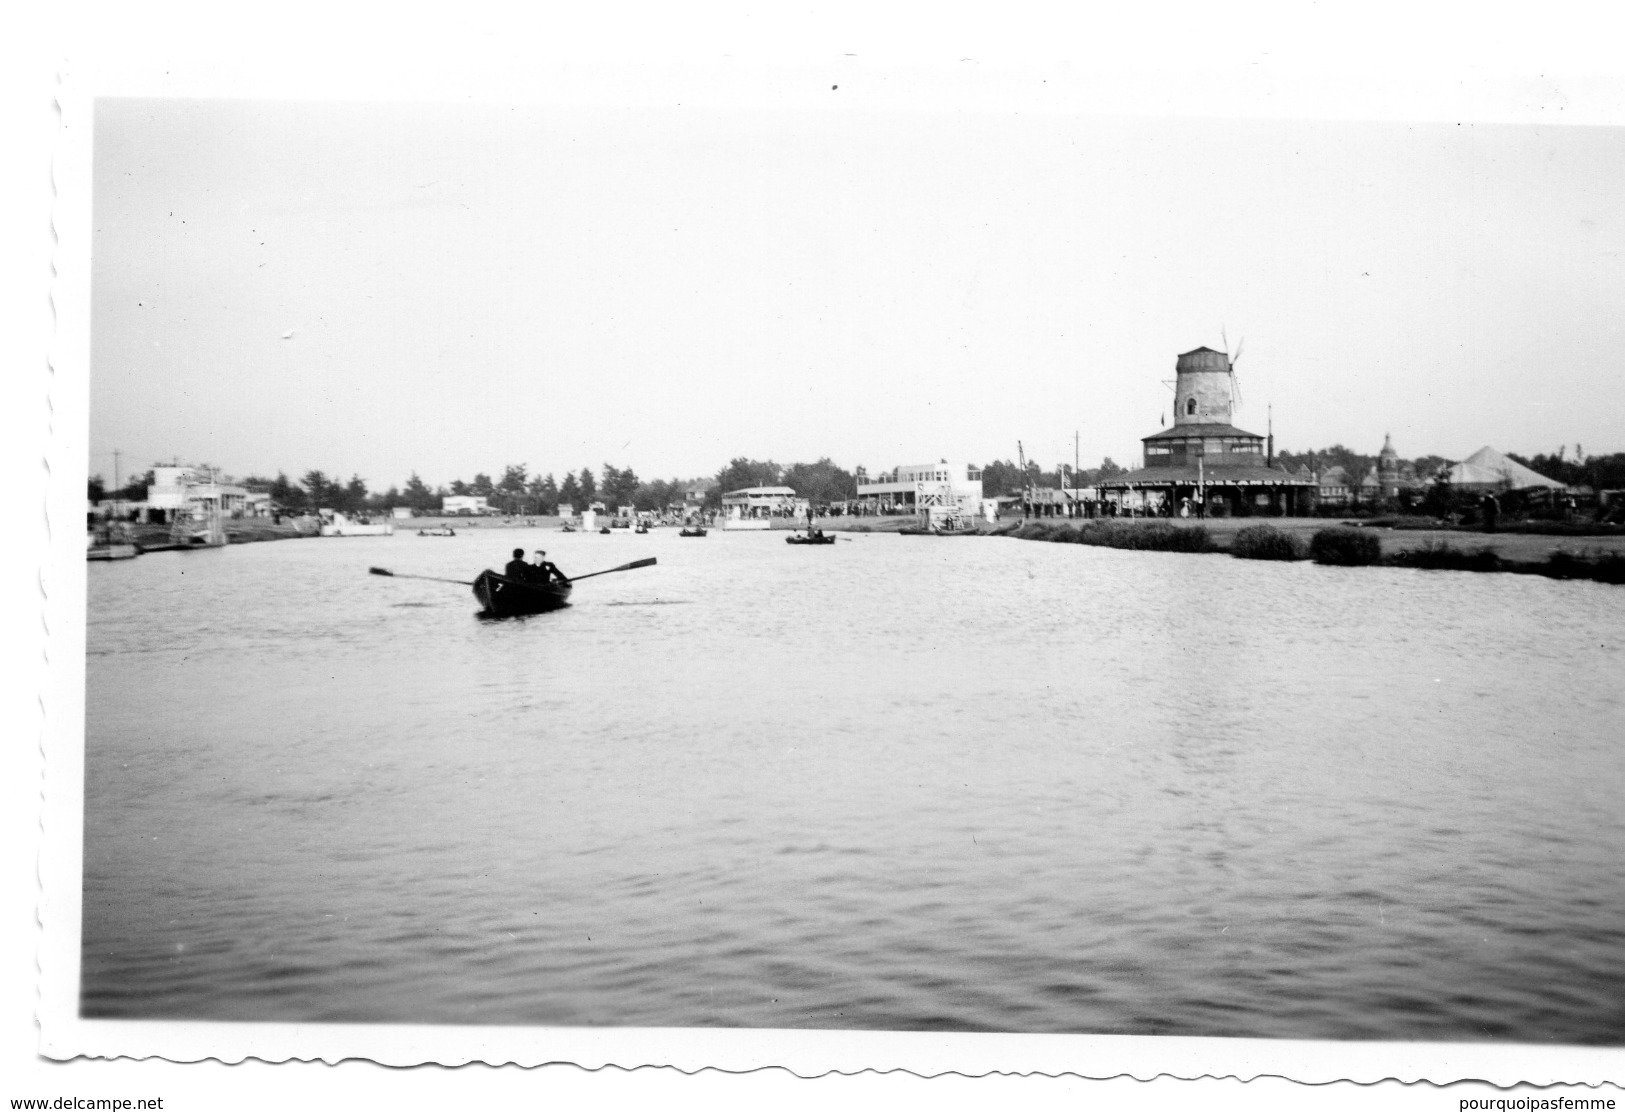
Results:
<point x="116" y="484"/>
<point x="1026" y="480"/>
<point x="1077" y="466"/>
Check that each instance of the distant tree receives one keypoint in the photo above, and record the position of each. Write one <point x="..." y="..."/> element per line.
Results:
<point x="284" y="494"/>
<point x="570" y="492"/>
<point x="609" y="483"/>
<point x="136" y="489"/>
<point x="1000" y="478"/>
<point x="1426" y="467"/>
<point x="821" y="482"/>
<point x="319" y="492"/>
<point x="588" y="485"/>
<point x="418" y="497"/>
<point x="544" y="494"/>
<point x="655" y="496"/>
<point x="511" y="490"/>
<point x="741" y="473"/>
<point x="354" y="498"/>
<point x="96" y="490"/>
<point x="1109" y="469"/>
<point x="459" y="488"/>
<point x="619" y="486"/>
<point x="482" y="486"/>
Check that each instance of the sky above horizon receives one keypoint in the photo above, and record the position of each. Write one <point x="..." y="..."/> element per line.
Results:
<point x="384" y="288"/>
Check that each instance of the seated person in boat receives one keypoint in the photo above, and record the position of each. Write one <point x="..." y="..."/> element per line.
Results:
<point x="543" y="570"/>
<point x="517" y="568"/>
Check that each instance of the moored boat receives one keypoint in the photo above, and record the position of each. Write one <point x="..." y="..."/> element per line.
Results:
<point x="817" y="537"/>
<point x="111" y="541"/>
<point x="502" y="597"/>
<point x="338" y="525"/>
<point x="113" y="551"/>
<point x="696" y="531"/>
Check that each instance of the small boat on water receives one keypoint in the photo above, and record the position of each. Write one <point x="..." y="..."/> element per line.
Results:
<point x="567" y="528"/>
<point x="814" y="537"/>
<point x="605" y="529"/>
<point x="510" y="598"/>
<point x="641" y="529"/>
<point x="697" y="531"/>
<point x="441" y="531"/>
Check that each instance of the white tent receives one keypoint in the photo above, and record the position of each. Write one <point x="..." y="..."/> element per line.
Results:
<point x="1487" y="469"/>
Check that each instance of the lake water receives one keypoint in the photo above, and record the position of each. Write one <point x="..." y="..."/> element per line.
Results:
<point x="898" y="783"/>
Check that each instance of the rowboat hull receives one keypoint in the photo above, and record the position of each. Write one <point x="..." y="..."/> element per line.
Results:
<point x="826" y="538"/>
<point x="502" y="597"/>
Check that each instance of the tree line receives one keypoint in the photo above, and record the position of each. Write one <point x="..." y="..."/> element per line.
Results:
<point x="822" y="482"/>
<point x="518" y="492"/>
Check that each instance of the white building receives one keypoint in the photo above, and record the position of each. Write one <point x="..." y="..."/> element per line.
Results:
<point x="766" y="501"/>
<point x="465" y="505"/>
<point x="198" y="491"/>
<point x="913" y="488"/>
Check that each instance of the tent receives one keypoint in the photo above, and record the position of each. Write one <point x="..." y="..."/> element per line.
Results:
<point x="1487" y="469"/>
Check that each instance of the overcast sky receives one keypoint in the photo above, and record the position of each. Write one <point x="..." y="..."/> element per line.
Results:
<point x="382" y="288"/>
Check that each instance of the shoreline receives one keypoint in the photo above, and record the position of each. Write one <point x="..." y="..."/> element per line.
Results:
<point x="1562" y="555"/>
<point x="1598" y="558"/>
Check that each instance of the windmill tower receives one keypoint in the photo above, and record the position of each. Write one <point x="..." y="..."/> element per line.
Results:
<point x="1205" y="391"/>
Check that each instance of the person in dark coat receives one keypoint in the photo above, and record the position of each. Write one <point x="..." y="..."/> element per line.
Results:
<point x="517" y="568"/>
<point x="545" y="570"/>
<point x="1492" y="512"/>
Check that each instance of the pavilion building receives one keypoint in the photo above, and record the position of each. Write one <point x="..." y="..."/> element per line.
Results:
<point x="912" y="488"/>
<point x="1204" y="458"/>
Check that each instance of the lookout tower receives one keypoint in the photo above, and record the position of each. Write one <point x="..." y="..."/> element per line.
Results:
<point x="1204" y="389"/>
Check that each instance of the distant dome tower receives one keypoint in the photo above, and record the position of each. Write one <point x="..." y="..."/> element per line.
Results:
<point x="1388" y="468"/>
<point x="1203" y="392"/>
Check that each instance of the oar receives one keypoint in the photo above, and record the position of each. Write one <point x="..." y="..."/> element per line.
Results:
<point x="606" y="571"/>
<point x="406" y="575"/>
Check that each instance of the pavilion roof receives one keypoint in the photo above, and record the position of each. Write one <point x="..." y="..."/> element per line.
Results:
<point x="1187" y="475"/>
<point x="1195" y="430"/>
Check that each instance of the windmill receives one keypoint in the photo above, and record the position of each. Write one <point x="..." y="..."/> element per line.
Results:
<point x="1230" y="363"/>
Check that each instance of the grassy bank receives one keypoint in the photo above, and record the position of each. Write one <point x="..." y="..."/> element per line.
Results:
<point x="1602" y="560"/>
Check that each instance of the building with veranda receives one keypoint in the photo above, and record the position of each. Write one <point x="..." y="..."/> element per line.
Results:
<point x="915" y="488"/>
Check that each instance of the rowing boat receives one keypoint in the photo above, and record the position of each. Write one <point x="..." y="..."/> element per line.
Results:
<point x="811" y="538"/>
<point x="508" y="598"/>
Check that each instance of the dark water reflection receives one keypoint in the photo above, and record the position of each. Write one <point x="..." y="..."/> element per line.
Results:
<point x="892" y="783"/>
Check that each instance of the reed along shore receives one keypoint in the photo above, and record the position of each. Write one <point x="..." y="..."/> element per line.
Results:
<point x="1566" y="555"/>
